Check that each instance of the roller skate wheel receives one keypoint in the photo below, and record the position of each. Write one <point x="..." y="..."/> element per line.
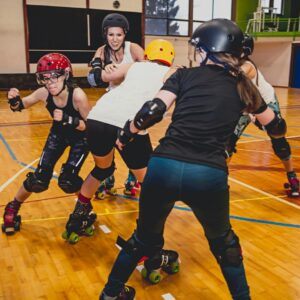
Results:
<point x="100" y="195"/>
<point x="172" y="268"/>
<point x="286" y="185"/>
<point x="73" y="238"/>
<point x="144" y="273"/>
<point x="89" y="231"/>
<point x="65" y="235"/>
<point x="113" y="191"/>
<point x="154" y="277"/>
<point x="127" y="192"/>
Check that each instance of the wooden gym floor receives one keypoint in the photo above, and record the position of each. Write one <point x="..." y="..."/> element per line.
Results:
<point x="36" y="263"/>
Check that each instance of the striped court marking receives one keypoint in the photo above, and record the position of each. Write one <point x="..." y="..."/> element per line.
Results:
<point x="10" y="180"/>
<point x="264" y="193"/>
<point x="105" y="229"/>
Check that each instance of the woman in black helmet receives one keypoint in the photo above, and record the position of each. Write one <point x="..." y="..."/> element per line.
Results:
<point x="189" y="163"/>
<point x="116" y="51"/>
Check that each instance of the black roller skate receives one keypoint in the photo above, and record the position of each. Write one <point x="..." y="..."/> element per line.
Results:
<point x="106" y="188"/>
<point x="132" y="186"/>
<point x="166" y="260"/>
<point x="11" y="219"/>
<point x="80" y="223"/>
<point x="127" y="293"/>
<point x="292" y="187"/>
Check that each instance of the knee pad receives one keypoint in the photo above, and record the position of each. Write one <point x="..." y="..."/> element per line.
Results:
<point x="137" y="249"/>
<point x="101" y="174"/>
<point x="38" y="181"/>
<point x="281" y="148"/>
<point x="227" y="249"/>
<point x="68" y="180"/>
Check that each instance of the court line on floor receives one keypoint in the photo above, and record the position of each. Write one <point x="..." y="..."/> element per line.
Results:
<point x="264" y="193"/>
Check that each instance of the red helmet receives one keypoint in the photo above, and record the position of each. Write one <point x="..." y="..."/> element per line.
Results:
<point x="53" y="62"/>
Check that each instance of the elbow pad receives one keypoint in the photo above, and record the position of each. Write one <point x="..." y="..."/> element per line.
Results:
<point x="151" y="112"/>
<point x="94" y="77"/>
<point x="277" y="127"/>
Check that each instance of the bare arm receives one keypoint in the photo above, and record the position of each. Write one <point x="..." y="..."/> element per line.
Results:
<point x="81" y="102"/>
<point x="137" y="52"/>
<point x="118" y="74"/>
<point x="249" y="70"/>
<point x="100" y="53"/>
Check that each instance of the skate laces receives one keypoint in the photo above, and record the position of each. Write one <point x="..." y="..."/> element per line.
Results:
<point x="13" y="206"/>
<point x="82" y="208"/>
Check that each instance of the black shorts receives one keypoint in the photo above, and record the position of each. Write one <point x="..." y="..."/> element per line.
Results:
<point x="102" y="138"/>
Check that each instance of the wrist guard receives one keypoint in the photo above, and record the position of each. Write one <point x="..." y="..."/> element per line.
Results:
<point x="125" y="135"/>
<point x="96" y="63"/>
<point x="94" y="77"/>
<point x="16" y="104"/>
<point x="70" y="121"/>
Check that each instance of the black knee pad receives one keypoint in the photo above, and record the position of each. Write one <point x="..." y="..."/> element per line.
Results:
<point x="102" y="174"/>
<point x="68" y="180"/>
<point x="38" y="181"/>
<point x="227" y="249"/>
<point x="281" y="148"/>
<point x="137" y="249"/>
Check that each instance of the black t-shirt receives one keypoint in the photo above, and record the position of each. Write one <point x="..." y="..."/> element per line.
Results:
<point x="207" y="110"/>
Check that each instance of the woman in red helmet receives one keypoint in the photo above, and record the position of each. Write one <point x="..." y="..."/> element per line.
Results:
<point x="114" y="52"/>
<point x="68" y="106"/>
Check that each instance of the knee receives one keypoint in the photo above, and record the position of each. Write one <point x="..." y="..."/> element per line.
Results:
<point x="227" y="249"/>
<point x="101" y="174"/>
<point x="281" y="148"/>
<point x="68" y="180"/>
<point x="38" y="181"/>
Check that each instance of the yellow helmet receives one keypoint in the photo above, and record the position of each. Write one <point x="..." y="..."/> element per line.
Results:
<point x="160" y="50"/>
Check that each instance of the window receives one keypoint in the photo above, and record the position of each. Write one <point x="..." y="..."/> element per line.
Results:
<point x="170" y="17"/>
<point x="275" y="5"/>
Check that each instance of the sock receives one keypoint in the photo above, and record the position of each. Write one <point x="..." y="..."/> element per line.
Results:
<point x="84" y="199"/>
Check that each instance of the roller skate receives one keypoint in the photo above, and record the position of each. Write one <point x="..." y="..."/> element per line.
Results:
<point x="106" y="188"/>
<point x="11" y="219"/>
<point x="292" y="187"/>
<point x="80" y="223"/>
<point x="132" y="186"/>
<point x="166" y="260"/>
<point x="127" y="293"/>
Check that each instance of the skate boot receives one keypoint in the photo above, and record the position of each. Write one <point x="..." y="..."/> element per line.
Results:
<point x="132" y="186"/>
<point x="127" y="293"/>
<point x="292" y="187"/>
<point x="11" y="219"/>
<point x="166" y="260"/>
<point x="106" y="188"/>
<point x="80" y="223"/>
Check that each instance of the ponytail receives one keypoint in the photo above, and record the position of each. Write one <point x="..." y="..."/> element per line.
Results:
<point x="248" y="92"/>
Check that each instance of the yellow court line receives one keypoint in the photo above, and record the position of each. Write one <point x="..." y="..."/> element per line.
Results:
<point x="62" y="218"/>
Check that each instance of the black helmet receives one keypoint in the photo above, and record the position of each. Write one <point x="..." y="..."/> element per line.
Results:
<point x="114" y="20"/>
<point x="219" y="35"/>
<point x="248" y="44"/>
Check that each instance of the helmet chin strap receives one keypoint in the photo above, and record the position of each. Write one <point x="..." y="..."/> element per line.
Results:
<point x="62" y="89"/>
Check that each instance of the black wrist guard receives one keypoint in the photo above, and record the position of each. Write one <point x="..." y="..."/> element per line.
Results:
<point x="96" y="63"/>
<point x="16" y="104"/>
<point x="70" y="121"/>
<point x="94" y="77"/>
<point x="125" y="135"/>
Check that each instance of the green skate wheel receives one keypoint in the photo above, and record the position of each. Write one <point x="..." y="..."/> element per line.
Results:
<point x="89" y="231"/>
<point x="144" y="273"/>
<point x="154" y="277"/>
<point x="172" y="268"/>
<point x="73" y="238"/>
<point x="100" y="195"/>
<point x="65" y="235"/>
<point x="112" y="191"/>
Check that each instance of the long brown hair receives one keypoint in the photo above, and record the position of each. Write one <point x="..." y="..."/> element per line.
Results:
<point x="248" y="92"/>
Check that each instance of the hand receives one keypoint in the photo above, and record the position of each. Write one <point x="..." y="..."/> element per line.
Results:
<point x="13" y="93"/>
<point x="57" y="115"/>
<point x="125" y="135"/>
<point x="110" y="68"/>
<point x="119" y="145"/>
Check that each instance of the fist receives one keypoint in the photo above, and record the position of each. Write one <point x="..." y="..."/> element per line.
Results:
<point x="13" y="93"/>
<point x="57" y="115"/>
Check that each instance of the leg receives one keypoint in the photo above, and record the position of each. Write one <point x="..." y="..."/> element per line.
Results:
<point x="205" y="191"/>
<point x="154" y="209"/>
<point x="69" y="180"/>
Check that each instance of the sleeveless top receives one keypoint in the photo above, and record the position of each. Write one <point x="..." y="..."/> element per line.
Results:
<point x="127" y="59"/>
<point x="265" y="88"/>
<point x="58" y="127"/>
<point x="142" y="82"/>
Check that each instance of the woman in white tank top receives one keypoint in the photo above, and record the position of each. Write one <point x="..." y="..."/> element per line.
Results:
<point x="280" y="146"/>
<point x="114" y="52"/>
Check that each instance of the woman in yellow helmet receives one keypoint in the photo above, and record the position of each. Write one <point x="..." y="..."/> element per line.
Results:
<point x="141" y="82"/>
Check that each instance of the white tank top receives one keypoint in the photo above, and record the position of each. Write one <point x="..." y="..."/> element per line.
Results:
<point x="143" y="80"/>
<point x="265" y="88"/>
<point x="127" y="59"/>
